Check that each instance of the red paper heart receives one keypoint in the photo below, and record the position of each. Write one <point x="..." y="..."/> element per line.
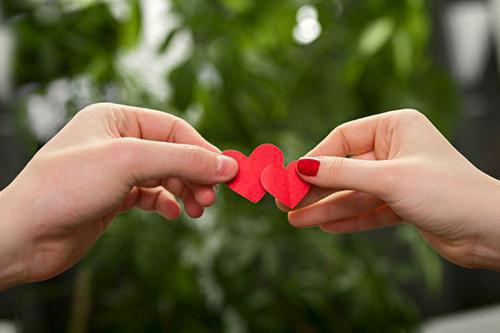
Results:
<point x="284" y="184"/>
<point x="247" y="181"/>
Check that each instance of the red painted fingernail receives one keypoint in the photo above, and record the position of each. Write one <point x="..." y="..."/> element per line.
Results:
<point x="308" y="166"/>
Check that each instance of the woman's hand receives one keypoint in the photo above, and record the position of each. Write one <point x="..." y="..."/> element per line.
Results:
<point x="402" y="169"/>
<point x="108" y="159"/>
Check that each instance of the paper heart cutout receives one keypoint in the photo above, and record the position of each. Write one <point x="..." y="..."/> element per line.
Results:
<point x="284" y="184"/>
<point x="247" y="182"/>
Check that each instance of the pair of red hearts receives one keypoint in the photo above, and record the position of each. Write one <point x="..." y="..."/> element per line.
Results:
<point x="264" y="171"/>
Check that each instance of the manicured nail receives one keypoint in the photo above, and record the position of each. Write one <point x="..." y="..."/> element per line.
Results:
<point x="226" y="166"/>
<point x="308" y="166"/>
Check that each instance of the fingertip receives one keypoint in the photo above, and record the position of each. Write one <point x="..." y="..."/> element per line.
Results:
<point x="281" y="206"/>
<point x="340" y="227"/>
<point x="297" y="219"/>
<point x="205" y="196"/>
<point x="227" y="167"/>
<point x="173" y="213"/>
<point x="195" y="212"/>
<point x="170" y="208"/>
<point x="308" y="166"/>
<point x="191" y="206"/>
<point x="328" y="229"/>
<point x="292" y="219"/>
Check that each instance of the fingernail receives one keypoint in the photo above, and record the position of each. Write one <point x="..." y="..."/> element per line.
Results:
<point x="308" y="166"/>
<point x="225" y="166"/>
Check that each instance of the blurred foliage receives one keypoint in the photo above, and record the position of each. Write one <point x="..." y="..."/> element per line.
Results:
<point x="244" y="81"/>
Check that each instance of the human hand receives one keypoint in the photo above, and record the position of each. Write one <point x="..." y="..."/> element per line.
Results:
<point x="402" y="169"/>
<point x="108" y="159"/>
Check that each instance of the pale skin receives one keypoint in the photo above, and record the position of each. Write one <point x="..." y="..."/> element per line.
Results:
<point x="402" y="169"/>
<point x="111" y="158"/>
<point x="108" y="159"/>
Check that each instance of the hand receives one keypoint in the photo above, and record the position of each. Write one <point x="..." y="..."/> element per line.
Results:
<point x="108" y="159"/>
<point x="402" y="169"/>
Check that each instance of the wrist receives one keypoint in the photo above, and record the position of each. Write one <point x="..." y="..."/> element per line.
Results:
<point x="488" y="247"/>
<point x="13" y="266"/>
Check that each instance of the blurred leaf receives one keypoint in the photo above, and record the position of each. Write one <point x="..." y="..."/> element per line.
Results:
<point x="237" y="5"/>
<point x="403" y="53"/>
<point x="66" y="47"/>
<point x="184" y="79"/>
<point x="131" y="28"/>
<point x="375" y="36"/>
<point x="166" y="42"/>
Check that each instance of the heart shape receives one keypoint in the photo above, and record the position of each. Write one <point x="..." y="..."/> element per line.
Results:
<point x="284" y="184"/>
<point x="247" y="182"/>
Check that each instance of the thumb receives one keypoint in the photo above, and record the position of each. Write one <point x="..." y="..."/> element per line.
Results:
<point x="147" y="160"/>
<point x="341" y="173"/>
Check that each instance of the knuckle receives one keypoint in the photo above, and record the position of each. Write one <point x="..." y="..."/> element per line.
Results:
<point x="180" y="124"/>
<point x="338" y="134"/>
<point x="337" y="165"/>
<point x="124" y="151"/>
<point x="412" y="115"/>
<point x="388" y="176"/>
<point x="342" y="126"/>
<point x="198" y="158"/>
<point x="97" y="108"/>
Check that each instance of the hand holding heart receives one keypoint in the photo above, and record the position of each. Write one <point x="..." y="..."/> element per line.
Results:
<point x="263" y="171"/>
<point x="402" y="169"/>
<point x="108" y="159"/>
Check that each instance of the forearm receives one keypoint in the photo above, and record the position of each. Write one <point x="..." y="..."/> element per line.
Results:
<point x="13" y="269"/>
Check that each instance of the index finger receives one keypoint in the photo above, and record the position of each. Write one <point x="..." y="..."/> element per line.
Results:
<point x="156" y="125"/>
<point x="356" y="137"/>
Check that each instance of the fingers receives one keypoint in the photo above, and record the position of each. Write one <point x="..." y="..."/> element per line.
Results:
<point x="162" y="201"/>
<point x="352" y="138"/>
<point x="338" y="206"/>
<point x="169" y="147"/>
<point x="152" y="125"/>
<point x="338" y="173"/>
<point x="192" y="206"/>
<point x="315" y="194"/>
<point x="204" y="194"/>
<point x="377" y="218"/>
<point x="143" y="160"/>
<point x="153" y="199"/>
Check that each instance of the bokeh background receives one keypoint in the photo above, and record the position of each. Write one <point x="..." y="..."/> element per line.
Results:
<point x="244" y="72"/>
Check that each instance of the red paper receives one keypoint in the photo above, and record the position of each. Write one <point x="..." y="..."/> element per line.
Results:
<point x="284" y="184"/>
<point x="247" y="182"/>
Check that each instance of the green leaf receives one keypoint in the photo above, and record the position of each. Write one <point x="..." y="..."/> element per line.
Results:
<point x="183" y="80"/>
<point x="166" y="42"/>
<point x="403" y="52"/>
<point x="131" y="28"/>
<point x="375" y="36"/>
<point x="237" y="5"/>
